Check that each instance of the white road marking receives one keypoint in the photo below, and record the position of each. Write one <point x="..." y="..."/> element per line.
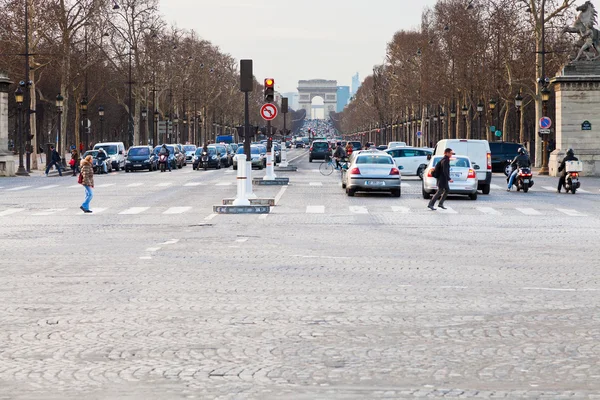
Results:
<point x="280" y="194"/>
<point x="11" y="211"/>
<point x="328" y="257"/>
<point x="224" y="184"/>
<point x="145" y="258"/>
<point x="402" y="210"/>
<point x="74" y="186"/>
<point x="551" y="289"/>
<point x="582" y="191"/>
<point x="188" y="171"/>
<point x="316" y="183"/>
<point x="135" y="184"/>
<point x="134" y="210"/>
<point x="315" y="209"/>
<point x="49" y="211"/>
<point x="153" y="249"/>
<point x="94" y="211"/>
<point x="164" y="184"/>
<point x="548" y="188"/>
<point x="488" y="210"/>
<point x="492" y="186"/>
<point x="358" y="210"/>
<point x="211" y="216"/>
<point x="17" y="188"/>
<point x="105" y="185"/>
<point x="177" y="210"/>
<point x="403" y="184"/>
<point x="528" y="211"/>
<point x="448" y="210"/>
<point x="172" y="241"/>
<point x="263" y="216"/>
<point x="244" y="239"/>
<point x="47" y="187"/>
<point x="570" y="213"/>
<point x="193" y="184"/>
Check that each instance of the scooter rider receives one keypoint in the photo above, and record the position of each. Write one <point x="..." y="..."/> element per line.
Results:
<point x="165" y="150"/>
<point x="340" y="154"/>
<point x="569" y="157"/>
<point x="521" y="161"/>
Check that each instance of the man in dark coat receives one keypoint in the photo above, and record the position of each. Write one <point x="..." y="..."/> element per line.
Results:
<point x="54" y="160"/>
<point x="563" y="170"/>
<point x="442" y="174"/>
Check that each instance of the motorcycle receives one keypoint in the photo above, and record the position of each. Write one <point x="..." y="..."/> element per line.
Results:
<point x="163" y="159"/>
<point x="204" y="160"/>
<point x="523" y="180"/>
<point x="572" y="179"/>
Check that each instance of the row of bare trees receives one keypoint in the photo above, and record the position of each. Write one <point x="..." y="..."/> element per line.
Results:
<point x="464" y="71"/>
<point x="119" y="56"/>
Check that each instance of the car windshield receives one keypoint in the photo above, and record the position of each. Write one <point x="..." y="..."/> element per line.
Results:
<point x="356" y="145"/>
<point x="93" y="153"/>
<point x="462" y="162"/>
<point x="138" y="151"/>
<point x="110" y="150"/>
<point x="320" y="145"/>
<point x="170" y="148"/>
<point x="374" y="159"/>
<point x="189" y="148"/>
<point x="211" y="151"/>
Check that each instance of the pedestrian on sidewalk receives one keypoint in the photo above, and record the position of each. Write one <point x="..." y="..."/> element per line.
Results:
<point x="87" y="180"/>
<point x="442" y="173"/>
<point x="54" y="160"/>
<point x="74" y="163"/>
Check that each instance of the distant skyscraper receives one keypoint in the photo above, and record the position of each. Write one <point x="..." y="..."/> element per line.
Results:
<point x="355" y="84"/>
<point x="343" y="97"/>
<point x="292" y="100"/>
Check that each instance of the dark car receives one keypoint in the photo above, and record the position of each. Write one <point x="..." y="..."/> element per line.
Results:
<point x="176" y="157"/>
<point x="288" y="145"/>
<point x="299" y="145"/>
<point x="226" y="159"/>
<point x="213" y="160"/>
<point x="189" y="150"/>
<point x="141" y="157"/>
<point x="277" y="153"/>
<point x="320" y="150"/>
<point x="502" y="154"/>
<point x="356" y="145"/>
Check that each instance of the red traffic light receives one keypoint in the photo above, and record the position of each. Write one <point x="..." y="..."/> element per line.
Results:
<point x="269" y="82"/>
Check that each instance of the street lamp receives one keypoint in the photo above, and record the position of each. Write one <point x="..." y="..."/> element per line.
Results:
<point x="176" y="126"/>
<point x="167" y="123"/>
<point x="144" y="115"/>
<point x="59" y="103"/>
<point x="155" y="133"/>
<point x="545" y="98"/>
<point x="464" y="112"/>
<point x="442" y="118"/>
<point x="480" y="113"/>
<point x="453" y="122"/>
<point x="519" y="104"/>
<point x="83" y="106"/>
<point x="492" y="105"/>
<point x="101" y="115"/>
<point x="19" y="97"/>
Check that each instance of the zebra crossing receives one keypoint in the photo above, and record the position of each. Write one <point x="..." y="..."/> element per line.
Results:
<point x="112" y="185"/>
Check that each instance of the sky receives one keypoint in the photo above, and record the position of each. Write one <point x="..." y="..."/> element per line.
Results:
<point x="293" y="40"/>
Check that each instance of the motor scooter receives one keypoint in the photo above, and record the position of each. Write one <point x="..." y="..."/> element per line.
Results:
<point x="573" y="168"/>
<point x="204" y="160"/>
<point x="163" y="159"/>
<point x="523" y="180"/>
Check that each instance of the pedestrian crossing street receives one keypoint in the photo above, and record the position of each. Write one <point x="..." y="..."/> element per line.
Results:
<point x="309" y="209"/>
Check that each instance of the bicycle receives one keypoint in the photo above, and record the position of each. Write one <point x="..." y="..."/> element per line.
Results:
<point x="327" y="167"/>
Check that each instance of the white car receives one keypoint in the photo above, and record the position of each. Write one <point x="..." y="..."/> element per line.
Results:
<point x="412" y="160"/>
<point x="116" y="153"/>
<point x="462" y="173"/>
<point x="371" y="171"/>
<point x="392" y="145"/>
<point x="478" y="152"/>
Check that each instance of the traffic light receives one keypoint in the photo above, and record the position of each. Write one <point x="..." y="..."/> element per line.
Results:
<point x="269" y="90"/>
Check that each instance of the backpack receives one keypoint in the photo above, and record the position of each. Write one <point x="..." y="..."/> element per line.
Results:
<point x="436" y="171"/>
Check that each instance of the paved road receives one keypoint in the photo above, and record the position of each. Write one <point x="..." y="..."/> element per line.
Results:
<point x="328" y="297"/>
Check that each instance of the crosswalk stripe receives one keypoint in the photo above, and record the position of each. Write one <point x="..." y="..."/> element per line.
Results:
<point x="47" y="187"/>
<point x="11" y="211"/>
<point x="316" y="183"/>
<point x="315" y="209"/>
<point x="73" y="186"/>
<point x="134" y="210"/>
<point x="549" y="188"/>
<point x="164" y="184"/>
<point x="570" y="213"/>
<point x="177" y="210"/>
<point x="211" y="216"/>
<point x="193" y="184"/>
<point x="105" y="185"/>
<point x="493" y="186"/>
<point x="358" y="210"/>
<point x="529" y="211"/>
<point x="488" y="210"/>
<point x="135" y="184"/>
<point x="188" y="171"/>
<point x="49" y="211"/>
<point x="96" y="210"/>
<point x="403" y="210"/>
<point x="448" y="210"/>
<point x="17" y="188"/>
<point x="404" y="184"/>
<point x="582" y="191"/>
<point x="224" y="184"/>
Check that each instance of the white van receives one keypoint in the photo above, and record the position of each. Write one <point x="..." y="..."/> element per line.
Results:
<point x="479" y="153"/>
<point x="392" y="145"/>
<point x="116" y="153"/>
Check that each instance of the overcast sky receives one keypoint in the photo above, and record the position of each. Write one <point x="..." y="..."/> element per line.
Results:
<point x="293" y="40"/>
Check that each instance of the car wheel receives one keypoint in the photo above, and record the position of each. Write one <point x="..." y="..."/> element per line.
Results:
<point x="310" y="160"/>
<point x="507" y="169"/>
<point x="343" y="185"/>
<point x="235" y="167"/>
<point x="426" y="195"/>
<point x="473" y="196"/>
<point x="219" y="165"/>
<point x="420" y="171"/>
<point x="396" y="193"/>
<point x="150" y="168"/>
<point x="117" y="168"/>
<point x="485" y="189"/>
<point x="261" y="167"/>
<point x="350" y="192"/>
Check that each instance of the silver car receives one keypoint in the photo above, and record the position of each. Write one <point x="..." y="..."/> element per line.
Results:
<point x="462" y="173"/>
<point x="371" y="171"/>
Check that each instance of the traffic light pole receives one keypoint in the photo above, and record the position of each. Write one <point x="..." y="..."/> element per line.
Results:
<point x="270" y="175"/>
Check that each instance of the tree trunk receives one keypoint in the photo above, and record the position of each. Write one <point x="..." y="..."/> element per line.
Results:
<point x="538" y="96"/>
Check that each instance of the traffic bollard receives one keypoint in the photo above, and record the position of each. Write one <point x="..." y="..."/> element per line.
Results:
<point x="249" y="193"/>
<point x="270" y="176"/>
<point x="241" y="198"/>
<point x="283" y="162"/>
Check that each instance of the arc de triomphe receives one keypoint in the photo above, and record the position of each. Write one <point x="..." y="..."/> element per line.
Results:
<point x="309" y="89"/>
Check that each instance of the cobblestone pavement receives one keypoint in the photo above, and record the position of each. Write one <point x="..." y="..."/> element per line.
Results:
<point x="327" y="297"/>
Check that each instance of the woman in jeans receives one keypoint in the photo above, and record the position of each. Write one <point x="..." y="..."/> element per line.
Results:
<point x="87" y="174"/>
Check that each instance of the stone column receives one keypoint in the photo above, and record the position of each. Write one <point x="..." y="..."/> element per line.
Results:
<point x="7" y="162"/>
<point x="577" y="103"/>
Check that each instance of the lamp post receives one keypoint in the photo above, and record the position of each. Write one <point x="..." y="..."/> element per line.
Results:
<point x="101" y="115"/>
<point x="176" y="127"/>
<point x="144" y="115"/>
<point x="480" y="113"/>
<point x="435" y="128"/>
<point x="492" y="105"/>
<point x="59" y="110"/>
<point x="518" y="105"/>
<point x="155" y="133"/>
<point x="83" y="106"/>
<point x="545" y="99"/>
<point x="464" y="112"/>
<point x="453" y="122"/>
<point x="185" y="134"/>
<point x="21" y="171"/>
<point x="442" y="119"/>
<point x="167" y="123"/>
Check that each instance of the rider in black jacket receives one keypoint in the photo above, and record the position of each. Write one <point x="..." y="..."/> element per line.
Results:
<point x="521" y="161"/>
<point x="569" y="157"/>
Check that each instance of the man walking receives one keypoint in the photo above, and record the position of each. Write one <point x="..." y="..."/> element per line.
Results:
<point x="442" y="174"/>
<point x="54" y="160"/>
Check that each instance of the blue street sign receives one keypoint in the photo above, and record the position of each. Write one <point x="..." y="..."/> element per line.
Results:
<point x="545" y="123"/>
<point x="492" y="129"/>
<point x="498" y="133"/>
<point x="419" y="134"/>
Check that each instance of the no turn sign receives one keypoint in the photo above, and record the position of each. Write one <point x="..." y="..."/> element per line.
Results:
<point x="268" y="112"/>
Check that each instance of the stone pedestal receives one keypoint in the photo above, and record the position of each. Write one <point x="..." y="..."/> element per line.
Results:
<point x="577" y="122"/>
<point x="7" y="161"/>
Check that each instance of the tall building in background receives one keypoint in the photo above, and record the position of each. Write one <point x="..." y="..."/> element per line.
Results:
<point x="292" y="100"/>
<point x="355" y="84"/>
<point x="343" y="97"/>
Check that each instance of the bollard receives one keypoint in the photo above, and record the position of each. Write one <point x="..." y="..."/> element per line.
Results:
<point x="249" y="193"/>
<point x="241" y="199"/>
<point x="270" y="171"/>
<point x="283" y="162"/>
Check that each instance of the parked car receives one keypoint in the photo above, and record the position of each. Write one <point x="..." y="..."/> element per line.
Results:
<point x="319" y="150"/>
<point x="381" y="147"/>
<point x="222" y="153"/>
<point x="479" y="155"/>
<point x="116" y="153"/>
<point x="176" y="157"/>
<point x="502" y="154"/>
<point x="234" y="146"/>
<point x="371" y="171"/>
<point x="412" y="160"/>
<point x="392" y="145"/>
<point x="213" y="160"/>
<point x="258" y="159"/>
<point x="288" y="145"/>
<point x="189" y="150"/>
<point x="300" y="145"/>
<point x="462" y="174"/>
<point x="100" y="162"/>
<point x="141" y="157"/>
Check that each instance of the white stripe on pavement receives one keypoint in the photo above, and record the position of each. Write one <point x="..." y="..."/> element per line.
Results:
<point x="570" y="213"/>
<point x="224" y="184"/>
<point x="74" y="186"/>
<point x="582" y="191"/>
<point x="11" y="211"/>
<point x="47" y="187"/>
<point x="548" y="188"/>
<point x="316" y="183"/>
<point x="492" y="186"/>
<point x="193" y="184"/>
<point x="404" y="184"/>
<point x="315" y="209"/>
<point x="402" y="210"/>
<point x="448" y="210"/>
<point x="105" y="185"/>
<point x="177" y="210"/>
<point x="529" y="211"/>
<point x="49" y="211"/>
<point x="211" y="216"/>
<point x="280" y="194"/>
<point x="135" y="184"/>
<point x="17" y="188"/>
<point x="96" y="211"/>
<point x="488" y="210"/>
<point x="358" y="210"/>
<point x="164" y="184"/>
<point x="134" y="210"/>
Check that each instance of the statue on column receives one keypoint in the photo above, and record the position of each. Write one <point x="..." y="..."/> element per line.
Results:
<point x="589" y="36"/>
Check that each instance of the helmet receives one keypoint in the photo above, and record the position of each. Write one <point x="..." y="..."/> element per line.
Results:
<point x="338" y="144"/>
<point x="570" y="152"/>
<point x="521" y="150"/>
